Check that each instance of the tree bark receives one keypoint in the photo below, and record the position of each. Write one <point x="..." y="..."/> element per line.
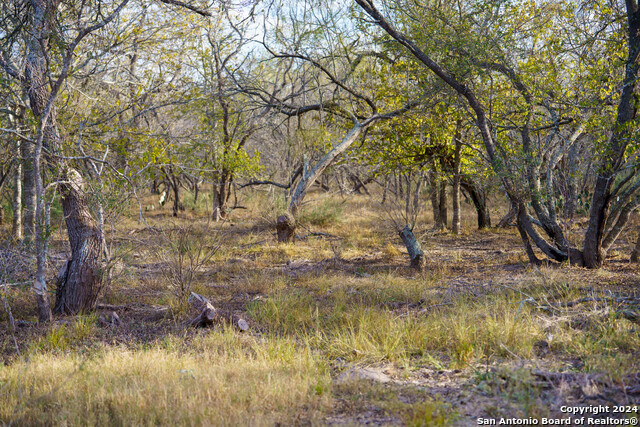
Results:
<point x="508" y="218"/>
<point x="455" y="196"/>
<point x="79" y="285"/>
<point x="439" y="223"/>
<point x="455" y="188"/>
<point x="524" y="236"/>
<point x="443" y="204"/>
<point x="221" y="195"/>
<point x="286" y="228"/>
<point x="479" y="199"/>
<point x="416" y="255"/>
<point x="571" y="197"/>
<point x="435" y="201"/>
<point x="29" y="192"/>
<point x="635" y="255"/>
<point x="593" y="251"/>
<point x="79" y="289"/>
<point x="16" y="225"/>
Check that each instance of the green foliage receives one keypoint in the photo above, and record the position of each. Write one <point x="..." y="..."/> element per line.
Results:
<point x="327" y="212"/>
<point x="61" y="337"/>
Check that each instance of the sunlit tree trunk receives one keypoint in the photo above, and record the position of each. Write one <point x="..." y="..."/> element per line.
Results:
<point x="78" y="288"/>
<point x="16" y="225"/>
<point x="29" y="192"/>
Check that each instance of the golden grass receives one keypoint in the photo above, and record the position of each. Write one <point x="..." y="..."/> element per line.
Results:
<point x="225" y="379"/>
<point x="357" y="326"/>
<point x="350" y="298"/>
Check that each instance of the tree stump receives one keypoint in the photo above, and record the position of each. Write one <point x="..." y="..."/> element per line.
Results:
<point x="210" y="316"/>
<point x="416" y="254"/>
<point x="286" y="227"/>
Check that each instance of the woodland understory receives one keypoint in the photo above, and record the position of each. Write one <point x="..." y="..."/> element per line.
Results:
<point x="341" y="329"/>
<point x="274" y="212"/>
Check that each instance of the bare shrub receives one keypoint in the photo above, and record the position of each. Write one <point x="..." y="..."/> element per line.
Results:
<point x="183" y="252"/>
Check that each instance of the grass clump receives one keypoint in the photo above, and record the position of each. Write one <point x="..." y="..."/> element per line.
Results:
<point x="347" y="325"/>
<point x="323" y="214"/>
<point x="64" y="336"/>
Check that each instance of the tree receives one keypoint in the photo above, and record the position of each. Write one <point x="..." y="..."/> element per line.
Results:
<point x="39" y="47"/>
<point x="615" y="151"/>
<point x="227" y="118"/>
<point x="326" y="75"/>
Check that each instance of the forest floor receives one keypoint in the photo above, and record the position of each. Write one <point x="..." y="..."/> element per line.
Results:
<point x="341" y="331"/>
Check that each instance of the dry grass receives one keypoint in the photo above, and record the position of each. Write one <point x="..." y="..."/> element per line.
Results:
<point x="223" y="379"/>
<point x="317" y="308"/>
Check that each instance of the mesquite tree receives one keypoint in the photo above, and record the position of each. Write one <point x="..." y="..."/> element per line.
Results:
<point x="616" y="177"/>
<point x="40" y="39"/>
<point x="329" y="80"/>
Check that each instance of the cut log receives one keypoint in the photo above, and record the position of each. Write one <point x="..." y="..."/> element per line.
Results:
<point x="209" y="316"/>
<point x="206" y="318"/>
<point x="416" y="254"/>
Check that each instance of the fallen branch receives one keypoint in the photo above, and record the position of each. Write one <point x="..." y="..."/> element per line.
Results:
<point x="317" y="234"/>
<point x="112" y="307"/>
<point x="6" y="285"/>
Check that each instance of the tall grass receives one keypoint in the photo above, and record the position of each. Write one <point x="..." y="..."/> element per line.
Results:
<point x="226" y="379"/>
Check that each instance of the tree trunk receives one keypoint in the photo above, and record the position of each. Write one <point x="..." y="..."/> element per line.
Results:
<point x="385" y="189"/>
<point x="16" y="226"/>
<point x="593" y="252"/>
<point x="520" y="214"/>
<point x="571" y="198"/>
<point x="508" y="218"/>
<point x="82" y="280"/>
<point x="325" y="183"/>
<point x="221" y="194"/>
<point x="215" y="213"/>
<point x="286" y="228"/>
<point x="79" y="289"/>
<point x="443" y="204"/>
<point x="176" y="197"/>
<point x="455" y="189"/>
<point x="196" y="190"/>
<point x="434" y="177"/>
<point x="416" y="255"/>
<point x="29" y="192"/>
<point x="42" y="240"/>
<point x="399" y="186"/>
<point x="174" y="186"/>
<point x="635" y="255"/>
